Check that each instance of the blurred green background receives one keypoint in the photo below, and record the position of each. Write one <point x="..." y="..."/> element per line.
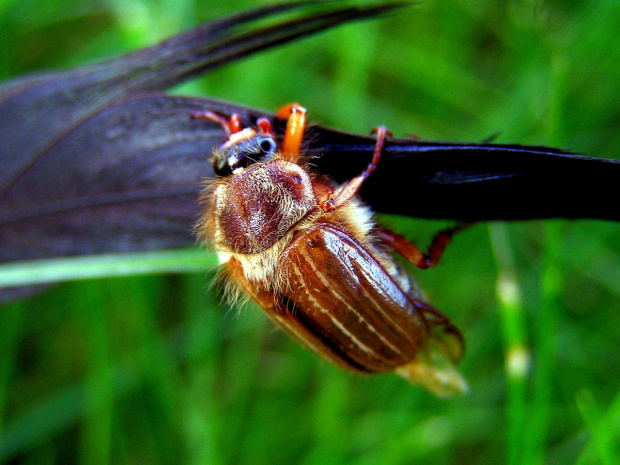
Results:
<point x="153" y="370"/>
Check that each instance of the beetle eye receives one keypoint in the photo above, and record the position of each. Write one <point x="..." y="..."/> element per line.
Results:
<point x="267" y="145"/>
<point x="243" y="154"/>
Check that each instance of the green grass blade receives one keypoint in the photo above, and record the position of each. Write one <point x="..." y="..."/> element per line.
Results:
<point x="516" y="350"/>
<point x="99" y="266"/>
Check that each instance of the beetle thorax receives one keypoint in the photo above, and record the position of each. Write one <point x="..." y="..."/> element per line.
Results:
<point x="259" y="206"/>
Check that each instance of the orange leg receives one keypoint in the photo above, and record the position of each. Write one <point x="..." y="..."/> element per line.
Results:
<point x="295" y="127"/>
<point x="265" y="128"/>
<point x="231" y="126"/>
<point x="351" y="188"/>
<point x="414" y="255"/>
<point x="454" y="344"/>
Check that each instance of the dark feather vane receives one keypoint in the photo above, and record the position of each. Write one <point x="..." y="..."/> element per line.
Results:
<point x="96" y="160"/>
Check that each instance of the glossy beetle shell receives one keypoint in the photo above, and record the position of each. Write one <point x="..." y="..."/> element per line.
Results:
<point x="312" y="261"/>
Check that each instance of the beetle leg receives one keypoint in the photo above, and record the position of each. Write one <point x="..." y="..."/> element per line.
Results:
<point x="412" y="253"/>
<point x="351" y="188"/>
<point x="265" y="128"/>
<point x="231" y="125"/>
<point x="295" y="127"/>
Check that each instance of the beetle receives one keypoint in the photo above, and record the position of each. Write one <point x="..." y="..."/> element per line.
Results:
<point x="309" y="253"/>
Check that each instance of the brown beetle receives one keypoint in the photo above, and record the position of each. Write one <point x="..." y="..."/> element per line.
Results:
<point x="309" y="254"/>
